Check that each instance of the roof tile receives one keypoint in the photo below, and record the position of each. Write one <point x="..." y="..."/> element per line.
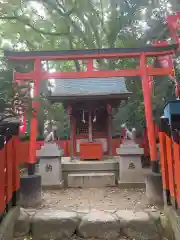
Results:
<point x="89" y="86"/>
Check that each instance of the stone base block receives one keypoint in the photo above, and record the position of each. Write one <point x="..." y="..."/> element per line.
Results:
<point x="30" y="187"/>
<point x="99" y="225"/>
<point x="173" y="222"/>
<point x="22" y="226"/>
<point x="49" y="150"/>
<point x="129" y="149"/>
<point x="91" y="180"/>
<point x="139" y="225"/>
<point x="53" y="187"/>
<point x="54" y="224"/>
<point x="154" y="188"/>
<point x="130" y="169"/>
<point x="50" y="171"/>
<point x="125" y="185"/>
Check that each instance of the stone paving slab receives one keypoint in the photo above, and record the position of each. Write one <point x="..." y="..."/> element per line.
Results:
<point x="54" y="224"/>
<point x="99" y="224"/>
<point x="94" y="224"/>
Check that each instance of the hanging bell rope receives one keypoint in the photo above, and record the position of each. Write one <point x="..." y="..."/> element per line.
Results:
<point x="94" y="119"/>
<point x="83" y="117"/>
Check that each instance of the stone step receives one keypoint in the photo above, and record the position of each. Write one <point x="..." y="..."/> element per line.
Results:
<point x="90" y="166"/>
<point x="129" y="151"/>
<point x="91" y="179"/>
<point x="129" y="145"/>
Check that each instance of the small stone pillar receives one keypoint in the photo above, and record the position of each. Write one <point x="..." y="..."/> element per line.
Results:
<point x="154" y="188"/>
<point x="50" y="167"/>
<point x="130" y="167"/>
<point x="30" y="195"/>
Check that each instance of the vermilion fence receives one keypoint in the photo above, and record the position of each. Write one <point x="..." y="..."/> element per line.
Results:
<point x="9" y="167"/>
<point x="170" y="164"/>
<point x="22" y="148"/>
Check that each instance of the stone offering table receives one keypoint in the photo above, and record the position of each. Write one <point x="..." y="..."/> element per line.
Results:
<point x="50" y="165"/>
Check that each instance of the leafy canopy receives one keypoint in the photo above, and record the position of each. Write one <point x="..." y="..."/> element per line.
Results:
<point x="82" y="24"/>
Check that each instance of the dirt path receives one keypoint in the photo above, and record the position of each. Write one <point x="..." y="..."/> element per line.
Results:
<point x="100" y="199"/>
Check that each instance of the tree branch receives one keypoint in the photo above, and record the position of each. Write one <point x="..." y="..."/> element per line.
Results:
<point x="76" y="62"/>
<point x="30" y="45"/>
<point x="27" y="23"/>
<point x="67" y="19"/>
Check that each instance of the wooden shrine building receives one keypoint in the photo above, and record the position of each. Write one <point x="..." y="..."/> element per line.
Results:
<point x="89" y="102"/>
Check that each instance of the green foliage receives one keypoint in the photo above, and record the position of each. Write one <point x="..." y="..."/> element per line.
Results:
<point x="82" y="24"/>
<point x="55" y="114"/>
<point x="13" y="98"/>
<point x="132" y="112"/>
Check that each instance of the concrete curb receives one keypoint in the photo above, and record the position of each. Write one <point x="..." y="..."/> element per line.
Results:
<point x="7" y="225"/>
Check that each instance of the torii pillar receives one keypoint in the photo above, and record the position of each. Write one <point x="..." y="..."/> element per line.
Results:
<point x="31" y="184"/>
<point x="34" y="120"/>
<point x="154" y="190"/>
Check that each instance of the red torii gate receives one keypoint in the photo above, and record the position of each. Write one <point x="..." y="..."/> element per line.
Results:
<point x="143" y="71"/>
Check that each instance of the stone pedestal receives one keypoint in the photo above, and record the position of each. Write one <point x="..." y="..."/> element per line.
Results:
<point x="130" y="167"/>
<point x="49" y="166"/>
<point x="154" y="188"/>
<point x="30" y="195"/>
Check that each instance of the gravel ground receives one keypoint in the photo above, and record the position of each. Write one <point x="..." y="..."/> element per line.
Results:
<point x="95" y="198"/>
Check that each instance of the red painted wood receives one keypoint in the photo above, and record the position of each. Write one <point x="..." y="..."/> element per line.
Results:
<point x="34" y="121"/>
<point x="15" y="162"/>
<point x="9" y="170"/>
<point x="74" y="134"/>
<point x="23" y="147"/>
<point x="98" y="74"/>
<point x="23" y="126"/>
<point x="176" y="156"/>
<point x="163" y="160"/>
<point x="174" y="26"/>
<point x="22" y="151"/>
<point x="148" y="109"/>
<point x="170" y="161"/>
<point x="115" y="144"/>
<point x="90" y="66"/>
<point x="145" y="143"/>
<point x="90" y="150"/>
<point x="2" y="180"/>
<point x="167" y="61"/>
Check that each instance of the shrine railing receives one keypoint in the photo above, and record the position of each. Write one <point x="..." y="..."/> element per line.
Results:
<point x="9" y="167"/>
<point x="170" y="163"/>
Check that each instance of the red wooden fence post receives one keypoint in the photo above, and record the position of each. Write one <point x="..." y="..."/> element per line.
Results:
<point x="72" y="131"/>
<point x="109" y="110"/>
<point x="170" y="161"/>
<point x="2" y="177"/>
<point x="164" y="165"/>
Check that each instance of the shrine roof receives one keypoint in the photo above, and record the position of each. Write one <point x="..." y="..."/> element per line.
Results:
<point x="89" y="87"/>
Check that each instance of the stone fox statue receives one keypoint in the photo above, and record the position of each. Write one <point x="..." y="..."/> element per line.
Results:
<point x="129" y="134"/>
<point x="51" y="136"/>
